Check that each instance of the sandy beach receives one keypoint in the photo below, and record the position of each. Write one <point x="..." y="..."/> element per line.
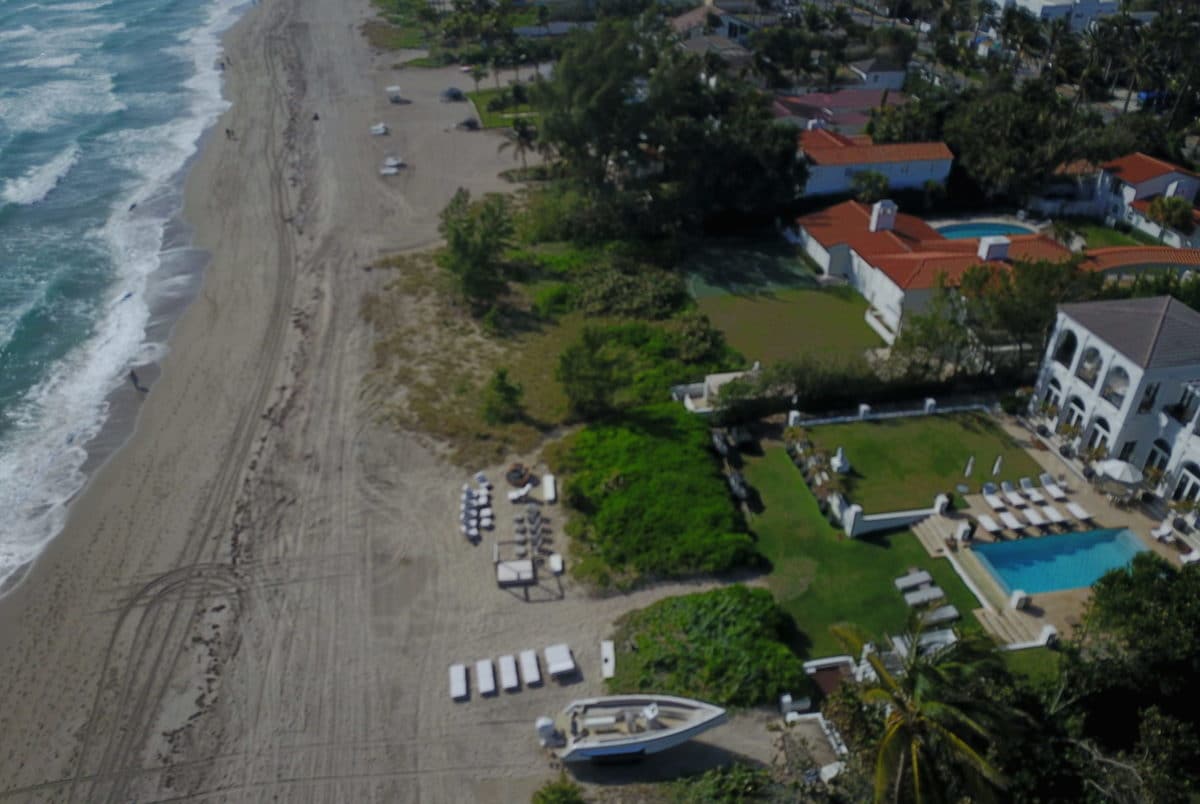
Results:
<point x="257" y="598"/>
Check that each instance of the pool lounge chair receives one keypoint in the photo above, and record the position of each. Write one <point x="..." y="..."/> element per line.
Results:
<point x="990" y="497"/>
<point x="529" y="668"/>
<point x="1030" y="491"/>
<point x="1054" y="515"/>
<point x="508" y="673"/>
<point x="926" y="594"/>
<point x="1052" y="488"/>
<point x="988" y="524"/>
<point x="1011" y="522"/>
<point x="559" y="661"/>
<point x="1078" y="511"/>
<point x="458" y="682"/>
<point x="913" y="580"/>
<point x="940" y="616"/>
<point x="1034" y="516"/>
<point x="1011" y="494"/>
<point x="485" y="677"/>
<point x="1165" y="532"/>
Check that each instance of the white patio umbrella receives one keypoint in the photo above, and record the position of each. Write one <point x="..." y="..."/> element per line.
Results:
<point x="997" y="465"/>
<point x="1121" y="471"/>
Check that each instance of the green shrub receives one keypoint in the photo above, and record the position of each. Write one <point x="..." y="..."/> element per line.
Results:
<point x="651" y="500"/>
<point x="501" y="399"/>
<point x="561" y="791"/>
<point x="723" y="646"/>
<point x="622" y="287"/>
<point x="728" y="785"/>
<point x="554" y="299"/>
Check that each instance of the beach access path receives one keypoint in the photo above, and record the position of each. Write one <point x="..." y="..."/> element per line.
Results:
<point x="257" y="598"/>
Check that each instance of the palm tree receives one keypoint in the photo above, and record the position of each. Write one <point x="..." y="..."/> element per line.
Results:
<point x="521" y="138"/>
<point x="934" y="728"/>
<point x="1064" y="231"/>
<point x="478" y="73"/>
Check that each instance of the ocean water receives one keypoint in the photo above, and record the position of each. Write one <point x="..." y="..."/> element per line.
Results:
<point x="102" y="103"/>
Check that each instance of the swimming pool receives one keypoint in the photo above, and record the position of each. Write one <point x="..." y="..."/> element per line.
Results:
<point x="1054" y="563"/>
<point x="959" y="231"/>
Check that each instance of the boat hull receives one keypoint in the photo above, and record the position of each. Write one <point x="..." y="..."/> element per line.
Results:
<point x="646" y="743"/>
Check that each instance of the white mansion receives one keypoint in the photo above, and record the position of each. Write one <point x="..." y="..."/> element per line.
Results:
<point x="1126" y="373"/>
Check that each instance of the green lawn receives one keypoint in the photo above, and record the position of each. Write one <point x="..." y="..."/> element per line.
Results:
<point x="822" y="578"/>
<point x="898" y="464"/>
<point x="747" y="267"/>
<point x="500" y="119"/>
<point x="1036" y="664"/>
<point x="1098" y="236"/>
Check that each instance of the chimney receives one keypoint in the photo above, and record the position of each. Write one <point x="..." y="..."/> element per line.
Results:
<point x="815" y="124"/>
<point x="993" y="248"/>
<point x="883" y="216"/>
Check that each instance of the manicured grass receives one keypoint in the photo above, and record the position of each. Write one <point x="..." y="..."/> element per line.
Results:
<point x="822" y="578"/>
<point x="1098" y="236"/>
<point x="504" y="118"/>
<point x="1036" y="664"/>
<point x="899" y="464"/>
<point x="746" y="266"/>
<point x="787" y="323"/>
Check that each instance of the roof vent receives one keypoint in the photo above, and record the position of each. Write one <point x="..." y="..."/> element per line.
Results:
<point x="883" y="216"/>
<point x="993" y="248"/>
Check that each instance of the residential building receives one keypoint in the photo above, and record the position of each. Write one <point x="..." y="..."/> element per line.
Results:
<point x="833" y="160"/>
<point x="1125" y="376"/>
<point x="880" y="73"/>
<point x="896" y="261"/>
<point x="1079" y="13"/>
<point x="845" y="110"/>
<point x="1126" y="186"/>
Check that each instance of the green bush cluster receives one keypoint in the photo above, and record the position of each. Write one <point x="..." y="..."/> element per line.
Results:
<point x="651" y="501"/>
<point x="723" y="646"/>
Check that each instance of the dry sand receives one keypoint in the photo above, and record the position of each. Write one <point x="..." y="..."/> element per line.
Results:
<point x="257" y="598"/>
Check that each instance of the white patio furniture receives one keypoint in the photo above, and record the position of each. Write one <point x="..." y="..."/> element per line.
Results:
<point x="485" y="677"/>
<point x="1165" y="532"/>
<point x="529" y="668"/>
<point x="1078" y="511"/>
<point x="1052" y="488"/>
<point x="520" y="494"/>
<point x="1011" y="522"/>
<point x="1053" y="514"/>
<point x="991" y="497"/>
<point x="608" y="658"/>
<point x="508" y="673"/>
<point x="549" y="489"/>
<point x="926" y="594"/>
<point x="913" y="580"/>
<point x="458" y="682"/>
<point x="1011" y="494"/>
<point x="559" y="661"/>
<point x="556" y="563"/>
<point x="988" y="524"/>
<point x="1034" y="516"/>
<point x="1191" y="558"/>
<point x="486" y="513"/>
<point x="1030" y="491"/>
<point x="940" y="616"/>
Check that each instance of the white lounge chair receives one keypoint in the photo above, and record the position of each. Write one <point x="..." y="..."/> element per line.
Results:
<point x="508" y="673"/>
<point x="1030" y="491"/>
<point x="520" y="494"/>
<point x="529" y="668"/>
<point x="485" y="677"/>
<point x="926" y="594"/>
<point x="1011" y="494"/>
<point x="940" y="616"/>
<point x="608" y="658"/>
<point x="559" y="661"/>
<point x="1078" y="511"/>
<point x="990" y="496"/>
<point x="988" y="524"/>
<point x="913" y="580"/>
<point x="458" y="682"/>
<point x="1034" y="516"/>
<point x="1053" y="514"/>
<point x="1011" y="522"/>
<point x="1165" y="532"/>
<point x="1052" y="488"/>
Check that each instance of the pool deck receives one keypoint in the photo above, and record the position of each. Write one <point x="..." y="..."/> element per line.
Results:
<point x="1062" y="609"/>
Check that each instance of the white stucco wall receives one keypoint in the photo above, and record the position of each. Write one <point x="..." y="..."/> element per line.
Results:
<point x="880" y="291"/>
<point x="836" y="179"/>
<point x="1081" y="12"/>
<point x="882" y="79"/>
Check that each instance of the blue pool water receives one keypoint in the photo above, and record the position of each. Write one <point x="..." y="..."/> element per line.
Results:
<point x="1054" y="563"/>
<point x="960" y="231"/>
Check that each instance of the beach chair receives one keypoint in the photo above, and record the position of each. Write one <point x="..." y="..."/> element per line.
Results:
<point x="608" y="658"/>
<point x="924" y="595"/>
<point x="1052" y="488"/>
<point x="1164" y="533"/>
<point x="529" y="668"/>
<point x="1053" y="515"/>
<point x="508" y="673"/>
<point x="941" y="616"/>
<point x="1030" y="491"/>
<point x="1034" y="516"/>
<point x="1011" y="522"/>
<point x="458" y="682"/>
<point x="559" y="661"/>
<point x="1079" y="512"/>
<point x="485" y="677"/>
<point x="1011" y="494"/>
<point x="991" y="497"/>
<point x="988" y="524"/>
<point x="912" y="580"/>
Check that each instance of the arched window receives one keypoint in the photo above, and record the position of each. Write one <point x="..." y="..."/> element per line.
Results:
<point x="1116" y="385"/>
<point x="1074" y="413"/>
<point x="1089" y="366"/>
<point x="1064" y="353"/>
<point x="1160" y="455"/>
<point x="1053" y="395"/>
<point x="1188" y="487"/>
<point x="1098" y="438"/>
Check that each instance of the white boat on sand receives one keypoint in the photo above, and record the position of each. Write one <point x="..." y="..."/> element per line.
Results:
<point x="625" y="726"/>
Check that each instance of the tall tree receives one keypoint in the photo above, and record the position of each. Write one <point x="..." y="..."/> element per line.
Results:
<point x="521" y="139"/>
<point x="476" y="234"/>
<point x="1173" y="212"/>
<point x="870" y="186"/>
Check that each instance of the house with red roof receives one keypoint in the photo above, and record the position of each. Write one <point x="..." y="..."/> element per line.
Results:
<point x="1128" y="185"/>
<point x="846" y="110"/>
<point x="897" y="261"/>
<point x="833" y="160"/>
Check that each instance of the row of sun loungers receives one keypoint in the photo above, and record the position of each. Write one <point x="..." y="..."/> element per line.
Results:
<point x="1037" y="516"/>
<point x="1020" y="498"/>
<point x="485" y="677"/>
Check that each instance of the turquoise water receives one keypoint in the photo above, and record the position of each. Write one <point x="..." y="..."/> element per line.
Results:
<point x="102" y="103"/>
<point x="1053" y="563"/>
<point x="960" y="231"/>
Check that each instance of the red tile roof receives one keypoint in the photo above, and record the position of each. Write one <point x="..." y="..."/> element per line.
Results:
<point x="1079" y="167"/>
<point x="843" y="99"/>
<point x="850" y="222"/>
<point x="1109" y="259"/>
<point x="823" y="147"/>
<point x="953" y="258"/>
<point x="1138" y="167"/>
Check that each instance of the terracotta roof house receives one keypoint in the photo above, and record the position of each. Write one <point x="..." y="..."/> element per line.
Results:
<point x="1128" y="185"/>
<point x="833" y="159"/>
<point x="896" y="261"/>
<point x="846" y="110"/>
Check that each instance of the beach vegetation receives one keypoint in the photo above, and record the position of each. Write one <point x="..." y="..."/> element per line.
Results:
<point x="727" y="646"/>
<point x="477" y="234"/>
<point x="521" y="139"/>
<point x="501" y="399"/>
<point x="562" y="790"/>
<point x="649" y="500"/>
<point x="502" y="107"/>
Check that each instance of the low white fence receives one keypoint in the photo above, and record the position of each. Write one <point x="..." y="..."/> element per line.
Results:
<point x="796" y="418"/>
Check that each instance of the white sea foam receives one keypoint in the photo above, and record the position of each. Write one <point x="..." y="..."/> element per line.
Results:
<point x="45" y="61"/>
<point x="53" y="103"/>
<point x="77" y="6"/>
<point x="38" y="181"/>
<point x="41" y="461"/>
<point x="24" y="32"/>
